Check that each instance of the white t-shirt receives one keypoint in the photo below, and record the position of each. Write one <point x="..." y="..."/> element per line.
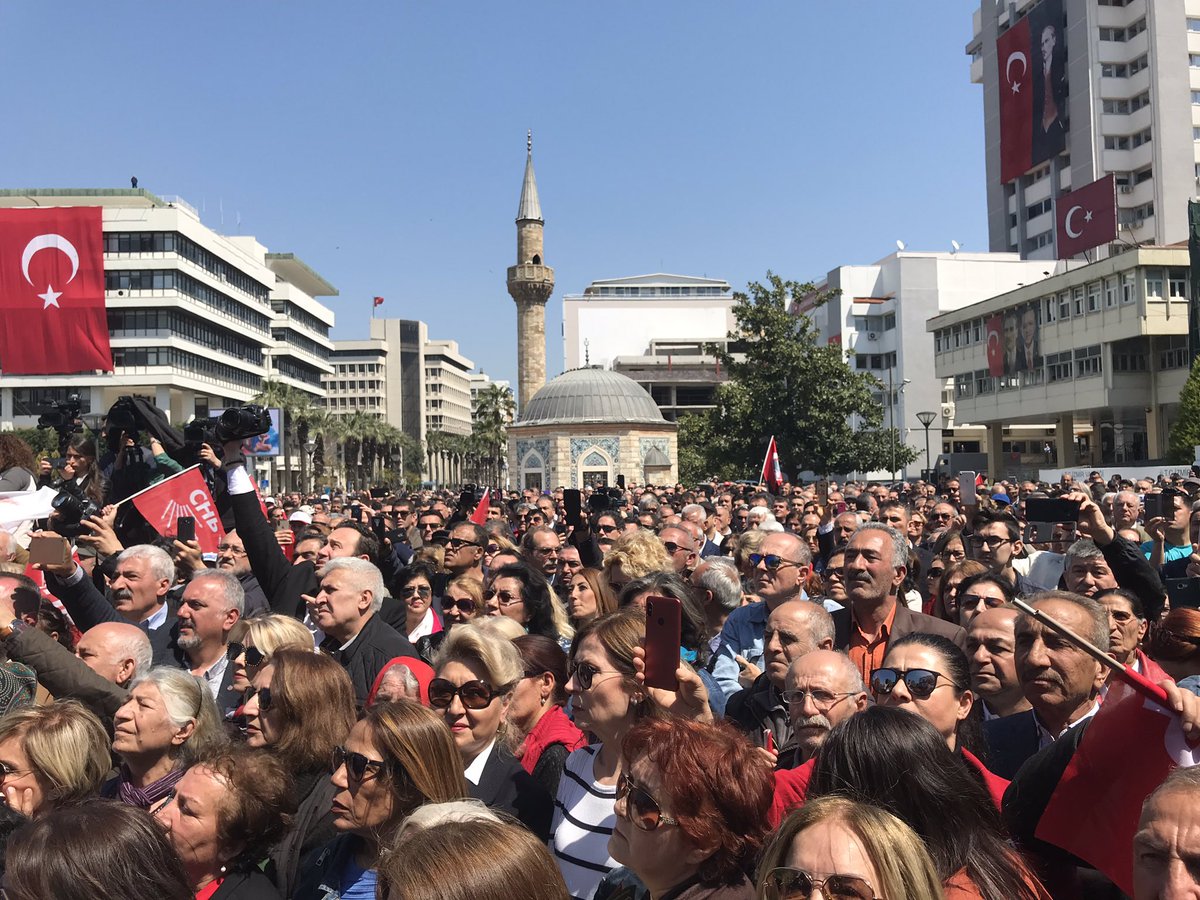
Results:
<point x="583" y="822"/>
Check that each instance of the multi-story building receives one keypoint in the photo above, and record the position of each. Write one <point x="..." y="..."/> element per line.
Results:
<point x="196" y="319"/>
<point x="1127" y="73"/>
<point x="879" y="318"/>
<point x="447" y="388"/>
<point x="1096" y="355"/>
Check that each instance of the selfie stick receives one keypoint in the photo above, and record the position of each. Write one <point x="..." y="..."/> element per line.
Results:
<point x="1135" y="680"/>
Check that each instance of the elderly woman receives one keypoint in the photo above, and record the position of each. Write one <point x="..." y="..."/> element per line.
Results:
<point x="225" y="812"/>
<point x="51" y="756"/>
<point x="396" y="758"/>
<point x="462" y="601"/>
<point x="477" y="674"/>
<point x="402" y="678"/>
<point x="421" y="622"/>
<point x="301" y="706"/>
<point x="692" y="802"/>
<point x="539" y="732"/>
<point x="253" y="639"/>
<point x="169" y="719"/>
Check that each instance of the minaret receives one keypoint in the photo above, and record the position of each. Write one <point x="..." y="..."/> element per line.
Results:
<point x="530" y="283"/>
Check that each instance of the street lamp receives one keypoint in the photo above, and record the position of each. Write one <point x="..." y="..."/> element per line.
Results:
<point x="398" y="462"/>
<point x="892" y="415"/>
<point x="310" y="447"/>
<point x="925" y="417"/>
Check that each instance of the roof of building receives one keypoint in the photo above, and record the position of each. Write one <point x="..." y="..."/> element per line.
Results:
<point x="529" y="207"/>
<point x="591" y="396"/>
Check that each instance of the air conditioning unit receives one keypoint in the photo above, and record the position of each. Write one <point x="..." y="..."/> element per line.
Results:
<point x="872" y="336"/>
<point x="1126" y="189"/>
<point x="947" y="410"/>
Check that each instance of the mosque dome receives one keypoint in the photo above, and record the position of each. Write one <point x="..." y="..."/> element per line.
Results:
<point x="591" y="396"/>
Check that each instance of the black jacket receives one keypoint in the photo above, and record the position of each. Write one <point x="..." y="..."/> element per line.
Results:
<point x="1134" y="573"/>
<point x="504" y="785"/>
<point x="311" y="828"/>
<point x="375" y="645"/>
<point x="252" y="885"/>
<point x="757" y="708"/>
<point x="319" y="873"/>
<point x="1010" y="741"/>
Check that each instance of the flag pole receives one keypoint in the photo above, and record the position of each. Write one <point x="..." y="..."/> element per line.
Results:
<point x="1135" y="680"/>
<point x="156" y="484"/>
<point x="766" y="459"/>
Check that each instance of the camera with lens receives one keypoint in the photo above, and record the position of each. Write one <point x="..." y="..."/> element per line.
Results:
<point x="63" y="417"/>
<point x="122" y="419"/>
<point x="71" y="507"/>
<point x="200" y="431"/>
<point x="240" y="422"/>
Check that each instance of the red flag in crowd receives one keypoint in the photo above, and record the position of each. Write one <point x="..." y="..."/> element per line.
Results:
<point x="1016" y="101"/>
<point x="772" y="475"/>
<point x="479" y="517"/>
<point x="377" y="302"/>
<point x="1127" y="751"/>
<point x="1086" y="218"/>
<point x="52" y="317"/>
<point x="995" y="346"/>
<point x="184" y="494"/>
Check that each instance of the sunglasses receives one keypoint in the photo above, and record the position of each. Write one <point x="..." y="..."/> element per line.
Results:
<point x="773" y="561"/>
<point x="491" y="549"/>
<point x="673" y="548"/>
<point x="474" y="694"/>
<point x="970" y="601"/>
<point x="254" y="656"/>
<point x="640" y="808"/>
<point x="463" y="606"/>
<point x="921" y="683"/>
<point x="357" y="765"/>
<point x="458" y="543"/>
<point x="934" y="573"/>
<point x="584" y="673"/>
<point x="506" y="599"/>
<point x="796" y="884"/>
<point x="607" y="529"/>
<point x="263" y="695"/>
<point x="419" y="590"/>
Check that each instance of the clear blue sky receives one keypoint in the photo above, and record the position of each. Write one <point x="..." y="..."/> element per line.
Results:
<point x="384" y="142"/>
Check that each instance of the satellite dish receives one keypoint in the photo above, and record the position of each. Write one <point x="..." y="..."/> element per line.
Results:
<point x="955" y="246"/>
<point x="899" y="245"/>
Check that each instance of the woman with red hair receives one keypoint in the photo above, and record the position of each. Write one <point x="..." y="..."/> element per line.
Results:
<point x="692" y="802"/>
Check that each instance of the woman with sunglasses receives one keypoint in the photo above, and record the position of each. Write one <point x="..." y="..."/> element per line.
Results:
<point x="539" y="733"/>
<point x="422" y="624"/>
<point x="462" y="601"/>
<point x="253" y="639"/>
<point x="299" y="707"/>
<point x="397" y="757"/>
<point x="590" y="597"/>
<point x="944" y="801"/>
<point x="987" y="590"/>
<point x="691" y="812"/>
<point x="169" y="719"/>
<point x="846" y="851"/>
<point x="477" y="674"/>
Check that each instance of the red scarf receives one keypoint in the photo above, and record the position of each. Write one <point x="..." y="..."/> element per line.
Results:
<point x="553" y="728"/>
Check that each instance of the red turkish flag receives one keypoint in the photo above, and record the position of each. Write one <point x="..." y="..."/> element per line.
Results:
<point x="995" y="345"/>
<point x="772" y="475"/>
<point x="1087" y="217"/>
<point x="1129" y="748"/>
<point x="1016" y="101"/>
<point x="479" y="517"/>
<point x="184" y="494"/>
<point x="52" y="317"/>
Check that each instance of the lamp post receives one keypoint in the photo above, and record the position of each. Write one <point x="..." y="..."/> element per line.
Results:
<point x="398" y="462"/>
<point x="925" y="417"/>
<point x="310" y="447"/>
<point x="892" y="414"/>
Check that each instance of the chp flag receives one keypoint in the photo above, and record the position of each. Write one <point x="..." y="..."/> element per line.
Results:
<point x="183" y="494"/>
<point x="1087" y="217"/>
<point x="52" y="315"/>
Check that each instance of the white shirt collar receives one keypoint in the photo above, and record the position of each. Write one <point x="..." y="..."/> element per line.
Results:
<point x="1045" y="738"/>
<point x="475" y="770"/>
<point x="155" y="620"/>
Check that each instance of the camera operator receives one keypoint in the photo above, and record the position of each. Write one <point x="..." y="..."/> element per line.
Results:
<point x="127" y="467"/>
<point x="78" y="469"/>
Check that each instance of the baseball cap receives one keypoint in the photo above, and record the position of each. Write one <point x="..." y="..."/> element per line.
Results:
<point x="301" y="516"/>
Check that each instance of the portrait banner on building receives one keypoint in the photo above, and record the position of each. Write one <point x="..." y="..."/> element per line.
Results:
<point x="1086" y="218"/>
<point x="52" y="315"/>
<point x="1031" y="58"/>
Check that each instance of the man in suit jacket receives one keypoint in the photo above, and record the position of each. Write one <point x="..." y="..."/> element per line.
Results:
<point x="875" y="568"/>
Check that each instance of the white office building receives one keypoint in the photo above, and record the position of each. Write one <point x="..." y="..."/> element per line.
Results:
<point x="1132" y="71"/>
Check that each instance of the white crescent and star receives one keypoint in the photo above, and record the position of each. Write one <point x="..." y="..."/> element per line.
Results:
<point x="49" y="242"/>
<point x="1012" y="57"/>
<point x="1087" y="217"/>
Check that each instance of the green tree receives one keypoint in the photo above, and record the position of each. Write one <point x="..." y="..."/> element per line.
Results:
<point x="298" y="412"/>
<point x="493" y="413"/>
<point x="822" y="412"/>
<point x="1185" y="433"/>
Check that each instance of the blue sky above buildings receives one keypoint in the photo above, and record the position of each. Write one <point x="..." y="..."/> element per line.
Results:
<point x="384" y="143"/>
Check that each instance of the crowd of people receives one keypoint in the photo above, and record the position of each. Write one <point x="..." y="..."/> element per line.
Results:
<point x="416" y="694"/>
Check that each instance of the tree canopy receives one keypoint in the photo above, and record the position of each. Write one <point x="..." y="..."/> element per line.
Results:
<point x="1185" y="433"/>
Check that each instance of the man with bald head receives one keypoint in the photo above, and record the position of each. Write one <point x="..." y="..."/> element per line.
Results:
<point x="823" y="688"/>
<point x="794" y="628"/>
<point x="116" y="651"/>
<point x="681" y="547"/>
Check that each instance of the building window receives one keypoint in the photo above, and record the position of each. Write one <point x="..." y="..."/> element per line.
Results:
<point x="1077" y="301"/>
<point x="1173" y="353"/>
<point x="1128" y="294"/>
<point x="1193" y="24"/>
<point x="1064" y="305"/>
<point x="984" y="383"/>
<point x="889" y="321"/>
<point x="964" y="386"/>
<point x="1050" y="309"/>
<point x="1058" y="366"/>
<point x="1088" y="361"/>
<point x="1177" y="285"/>
<point x="1154" y="285"/>
<point x="1093" y="297"/>
<point x="1110" y="292"/>
<point x="937" y="341"/>
<point x="976" y="331"/>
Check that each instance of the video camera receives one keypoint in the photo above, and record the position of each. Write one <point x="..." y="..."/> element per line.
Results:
<point x="122" y="419"/>
<point x="235" y="424"/>
<point x="63" y="417"/>
<point x="71" y="507"/>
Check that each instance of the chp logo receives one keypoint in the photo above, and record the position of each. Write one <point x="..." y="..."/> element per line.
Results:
<point x="198" y="505"/>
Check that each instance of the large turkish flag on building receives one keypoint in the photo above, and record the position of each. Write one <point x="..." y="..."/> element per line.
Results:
<point x="1086" y="218"/>
<point x="995" y="345"/>
<point x="1016" y="101"/>
<point x="52" y="317"/>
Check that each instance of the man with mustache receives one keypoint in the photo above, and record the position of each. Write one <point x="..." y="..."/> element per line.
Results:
<point x="823" y="689"/>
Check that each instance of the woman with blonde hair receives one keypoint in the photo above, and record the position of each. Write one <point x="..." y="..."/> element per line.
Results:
<point x="635" y="554"/>
<point x="252" y="641"/>
<point x="462" y="601"/>
<point x="477" y="673"/>
<point x="846" y="850"/>
<point x="590" y="597"/>
<point x="51" y="756"/>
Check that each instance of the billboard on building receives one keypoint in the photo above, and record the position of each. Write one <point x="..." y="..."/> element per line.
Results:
<point x="1032" y="61"/>
<point x="1086" y="218"/>
<point x="269" y="444"/>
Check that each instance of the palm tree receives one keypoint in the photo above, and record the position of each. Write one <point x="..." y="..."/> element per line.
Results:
<point x="328" y="431"/>
<point x="358" y="445"/>
<point x="493" y="413"/>
<point x="297" y="410"/>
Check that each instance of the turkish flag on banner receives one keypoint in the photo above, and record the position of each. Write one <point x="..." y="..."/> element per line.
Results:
<point x="52" y="317"/>
<point x="995" y="345"/>
<point x="1128" y="749"/>
<point x="1016" y="101"/>
<point x="479" y="517"/>
<point x="184" y="494"/>
<point x="1086" y="218"/>
<point x="772" y="474"/>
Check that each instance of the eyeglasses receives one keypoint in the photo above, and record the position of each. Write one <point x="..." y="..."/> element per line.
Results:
<point x="584" y="673"/>
<point x="673" y="548"/>
<point x="357" y="765"/>
<point x="796" y="884"/>
<point x="546" y="551"/>
<point x="970" y="601"/>
<point x="254" y="656"/>
<point x="417" y="589"/>
<point x="505" y="598"/>
<point x="640" y="808"/>
<point x="7" y="771"/>
<point x="463" y="606"/>
<point x="607" y="529"/>
<point x="821" y="699"/>
<point x="941" y="515"/>
<point x="474" y="694"/>
<point x="772" y="561"/>
<point x="982" y="540"/>
<point x="229" y="548"/>
<point x="263" y="695"/>
<point x="459" y="543"/>
<point x="921" y="683"/>
<point x="491" y="549"/>
<point x="429" y="526"/>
